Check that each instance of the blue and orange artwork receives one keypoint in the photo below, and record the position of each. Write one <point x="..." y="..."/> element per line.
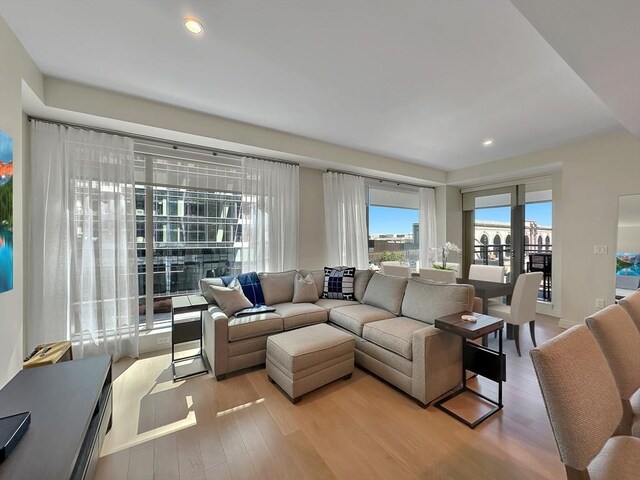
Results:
<point x="6" y="212"/>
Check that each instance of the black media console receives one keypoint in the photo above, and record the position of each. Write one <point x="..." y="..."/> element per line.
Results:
<point x="71" y="408"/>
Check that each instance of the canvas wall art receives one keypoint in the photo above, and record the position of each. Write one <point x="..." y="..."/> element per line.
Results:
<point x="6" y="212"/>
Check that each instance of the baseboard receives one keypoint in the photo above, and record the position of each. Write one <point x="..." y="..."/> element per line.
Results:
<point x="564" y="323"/>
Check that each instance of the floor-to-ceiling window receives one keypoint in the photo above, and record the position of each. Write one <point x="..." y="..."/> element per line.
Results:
<point x="393" y="215"/>
<point x="188" y="223"/>
<point x="511" y="227"/>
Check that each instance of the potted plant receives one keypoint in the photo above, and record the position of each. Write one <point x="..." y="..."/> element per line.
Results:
<point x="447" y="249"/>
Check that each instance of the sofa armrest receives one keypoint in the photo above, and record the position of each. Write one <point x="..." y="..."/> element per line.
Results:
<point x="216" y="339"/>
<point x="477" y="304"/>
<point x="437" y="363"/>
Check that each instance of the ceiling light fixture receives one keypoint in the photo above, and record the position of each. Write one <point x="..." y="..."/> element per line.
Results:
<point x="193" y="25"/>
<point x="487" y="142"/>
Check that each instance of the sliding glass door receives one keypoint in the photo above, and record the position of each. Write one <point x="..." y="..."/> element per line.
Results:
<point x="511" y="227"/>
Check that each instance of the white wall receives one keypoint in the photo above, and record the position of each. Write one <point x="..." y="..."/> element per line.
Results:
<point x="15" y="67"/>
<point x="312" y="244"/>
<point x="594" y="175"/>
<point x="588" y="179"/>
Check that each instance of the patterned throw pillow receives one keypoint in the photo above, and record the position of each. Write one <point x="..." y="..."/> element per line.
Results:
<point x="338" y="283"/>
<point x="250" y="286"/>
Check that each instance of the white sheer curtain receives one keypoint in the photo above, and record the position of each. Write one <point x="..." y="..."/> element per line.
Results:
<point x="82" y="245"/>
<point x="427" y="226"/>
<point x="345" y="212"/>
<point x="270" y="200"/>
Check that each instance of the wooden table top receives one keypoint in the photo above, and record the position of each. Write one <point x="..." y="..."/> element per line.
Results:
<point x="471" y="330"/>
<point x="188" y="303"/>
<point x="56" y="351"/>
<point x="485" y="289"/>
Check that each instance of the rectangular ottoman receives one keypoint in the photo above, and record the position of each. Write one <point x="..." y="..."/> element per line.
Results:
<point x="302" y="360"/>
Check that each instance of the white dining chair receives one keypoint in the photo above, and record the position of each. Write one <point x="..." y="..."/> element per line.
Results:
<point x="438" y="275"/>
<point x="488" y="273"/>
<point x="396" y="269"/>
<point x="523" y="306"/>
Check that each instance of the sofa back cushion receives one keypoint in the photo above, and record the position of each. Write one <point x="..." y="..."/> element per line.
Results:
<point x="425" y="300"/>
<point x="385" y="292"/>
<point x="338" y="283"/>
<point x="277" y="287"/>
<point x="360" y="284"/>
<point x="206" y="291"/>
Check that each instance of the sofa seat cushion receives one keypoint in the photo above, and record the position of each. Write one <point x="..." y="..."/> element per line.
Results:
<point x="354" y="317"/>
<point x="296" y="315"/>
<point x="254" y="325"/>
<point x="394" y="334"/>
<point x="305" y="348"/>
<point x="329" y="303"/>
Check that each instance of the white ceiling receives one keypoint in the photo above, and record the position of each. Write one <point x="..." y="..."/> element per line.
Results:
<point x="601" y="42"/>
<point x="421" y="81"/>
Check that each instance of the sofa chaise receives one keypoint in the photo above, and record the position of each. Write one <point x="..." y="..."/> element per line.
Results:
<point x="391" y="320"/>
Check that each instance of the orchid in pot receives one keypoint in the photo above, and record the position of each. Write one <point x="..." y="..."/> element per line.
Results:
<point x="447" y="249"/>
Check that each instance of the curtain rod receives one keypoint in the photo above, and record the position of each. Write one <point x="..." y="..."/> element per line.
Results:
<point x="379" y="179"/>
<point x="163" y="141"/>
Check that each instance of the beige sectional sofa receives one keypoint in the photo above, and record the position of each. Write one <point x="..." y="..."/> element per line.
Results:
<point x="390" y="319"/>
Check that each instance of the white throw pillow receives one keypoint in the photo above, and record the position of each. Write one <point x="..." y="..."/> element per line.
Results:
<point x="305" y="289"/>
<point x="230" y="299"/>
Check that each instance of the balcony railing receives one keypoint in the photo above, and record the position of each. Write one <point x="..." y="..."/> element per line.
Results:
<point x="500" y="255"/>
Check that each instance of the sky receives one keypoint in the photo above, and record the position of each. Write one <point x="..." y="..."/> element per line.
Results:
<point x="401" y="220"/>
<point x="391" y="220"/>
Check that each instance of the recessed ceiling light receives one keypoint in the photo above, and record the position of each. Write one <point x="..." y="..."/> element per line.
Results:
<point x="487" y="142"/>
<point x="193" y="25"/>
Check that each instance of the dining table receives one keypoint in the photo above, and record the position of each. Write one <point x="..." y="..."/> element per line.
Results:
<point x="486" y="290"/>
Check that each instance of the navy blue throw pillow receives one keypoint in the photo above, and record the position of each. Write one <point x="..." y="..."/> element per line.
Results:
<point x="250" y="286"/>
<point x="339" y="283"/>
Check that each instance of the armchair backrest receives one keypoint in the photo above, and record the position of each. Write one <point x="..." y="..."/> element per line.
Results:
<point x="583" y="413"/>
<point x="525" y="297"/>
<point x="396" y="269"/>
<point x="619" y="339"/>
<point x="437" y="275"/>
<point x="488" y="273"/>
<point x="631" y="303"/>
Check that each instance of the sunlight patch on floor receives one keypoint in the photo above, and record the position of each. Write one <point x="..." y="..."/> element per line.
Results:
<point x="239" y="407"/>
<point x="187" y="422"/>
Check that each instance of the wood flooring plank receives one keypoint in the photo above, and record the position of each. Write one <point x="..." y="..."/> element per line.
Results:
<point x="114" y="466"/>
<point x="293" y="453"/>
<point x="165" y="459"/>
<point x="245" y="428"/>
<point x="141" y="462"/>
<point x="219" y="472"/>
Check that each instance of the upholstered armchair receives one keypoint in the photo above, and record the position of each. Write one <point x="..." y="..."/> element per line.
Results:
<point x="583" y="405"/>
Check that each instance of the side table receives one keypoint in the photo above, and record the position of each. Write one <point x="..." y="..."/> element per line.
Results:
<point x="187" y="330"/>
<point x="479" y="359"/>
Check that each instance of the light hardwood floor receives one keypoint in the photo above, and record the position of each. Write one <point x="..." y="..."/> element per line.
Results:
<point x="245" y="428"/>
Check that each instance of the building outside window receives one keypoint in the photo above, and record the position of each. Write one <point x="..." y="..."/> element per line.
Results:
<point x="393" y="220"/>
<point x="195" y="227"/>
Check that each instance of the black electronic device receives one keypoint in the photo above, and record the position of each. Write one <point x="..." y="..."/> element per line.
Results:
<point x="12" y="429"/>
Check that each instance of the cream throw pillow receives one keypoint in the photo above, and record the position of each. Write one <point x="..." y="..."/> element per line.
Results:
<point x="305" y="289"/>
<point x="230" y="299"/>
